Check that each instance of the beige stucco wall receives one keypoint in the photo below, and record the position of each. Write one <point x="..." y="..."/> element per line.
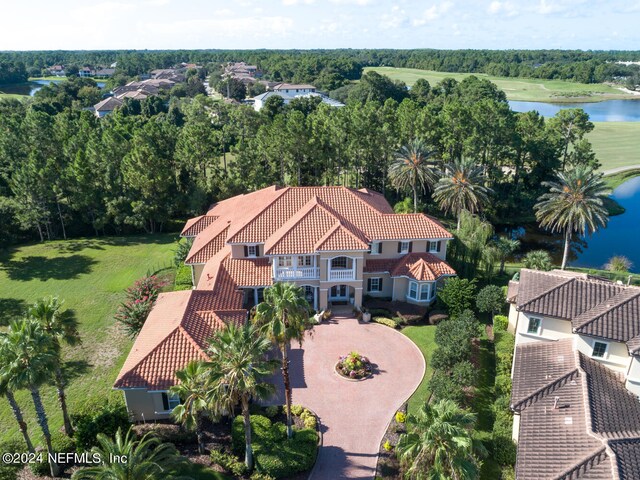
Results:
<point x="515" y="433"/>
<point x="633" y="377"/>
<point x="197" y="272"/>
<point x="143" y="405"/>
<point x="551" y="329"/>
<point x="513" y="318"/>
<point x="387" y="285"/>
<point x="237" y="251"/>
<point x="617" y="357"/>
<point x="390" y="249"/>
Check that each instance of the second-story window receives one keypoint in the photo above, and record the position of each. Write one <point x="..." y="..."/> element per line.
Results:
<point x="534" y="326"/>
<point x="376" y="248"/>
<point x="305" y="261"/>
<point x="252" y="251"/>
<point x="433" y="246"/>
<point x="404" y="247"/>
<point x="285" y="262"/>
<point x="339" y="262"/>
<point x="599" y="350"/>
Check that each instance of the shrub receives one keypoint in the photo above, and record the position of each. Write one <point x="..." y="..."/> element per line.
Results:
<point x="261" y="476"/>
<point x="310" y="422"/>
<point x="504" y="450"/>
<point x="508" y="473"/>
<point x="183" y="276"/>
<point x="618" y="263"/>
<point x="181" y="251"/>
<point x="401" y="417"/>
<point x="387" y="446"/>
<point x="96" y="419"/>
<point x="274" y="453"/>
<point x="444" y="388"/>
<point x="133" y="312"/>
<point x="385" y="321"/>
<point x="500" y="323"/>
<point x="379" y="312"/>
<point x="167" y="433"/>
<point x="229" y="462"/>
<point x="297" y="410"/>
<point x="453" y="337"/>
<point x="464" y="374"/>
<point x="457" y="294"/>
<point x="503" y="384"/>
<point x="272" y="410"/>
<point x="490" y="299"/>
<point x="10" y="471"/>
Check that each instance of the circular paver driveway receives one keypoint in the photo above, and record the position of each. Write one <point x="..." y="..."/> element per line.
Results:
<point x="354" y="415"/>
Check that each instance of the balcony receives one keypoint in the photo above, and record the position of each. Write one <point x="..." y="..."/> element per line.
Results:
<point x="342" y="274"/>
<point x="301" y="273"/>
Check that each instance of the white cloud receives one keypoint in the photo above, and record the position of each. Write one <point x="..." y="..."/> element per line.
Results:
<point x="297" y="2"/>
<point x="260" y="26"/>
<point x="103" y="9"/>
<point x="360" y="3"/>
<point x="502" y="8"/>
<point x="546" y="8"/>
<point x="157" y="3"/>
<point x="432" y="13"/>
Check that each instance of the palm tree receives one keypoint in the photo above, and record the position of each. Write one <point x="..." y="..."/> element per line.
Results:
<point x="29" y="357"/>
<point x="126" y="458"/>
<point x="412" y="168"/>
<point x="439" y="443"/>
<point x="239" y="360"/>
<point x="194" y="391"/>
<point x="574" y="203"/>
<point x="538" y="260"/>
<point x="8" y="394"/>
<point x="284" y="314"/>
<point x="62" y="327"/>
<point x="505" y="247"/>
<point x="461" y="188"/>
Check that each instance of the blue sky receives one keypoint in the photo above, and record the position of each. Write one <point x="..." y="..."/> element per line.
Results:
<point x="170" y="24"/>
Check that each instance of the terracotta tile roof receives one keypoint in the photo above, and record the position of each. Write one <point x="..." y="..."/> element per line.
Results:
<point x="572" y="412"/>
<point x="195" y="225"/>
<point x="380" y="265"/>
<point x="367" y="212"/>
<point x="249" y="272"/>
<point x="512" y="291"/>
<point x="201" y="252"/>
<point x="342" y="237"/>
<point x="108" y="104"/>
<point x="422" y="267"/>
<point x="595" y="307"/>
<point x="174" y="334"/>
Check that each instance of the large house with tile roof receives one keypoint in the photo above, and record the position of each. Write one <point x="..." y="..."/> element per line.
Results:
<point x="576" y="376"/>
<point x="337" y="243"/>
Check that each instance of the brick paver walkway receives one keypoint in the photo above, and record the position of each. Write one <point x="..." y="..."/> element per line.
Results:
<point x="354" y="415"/>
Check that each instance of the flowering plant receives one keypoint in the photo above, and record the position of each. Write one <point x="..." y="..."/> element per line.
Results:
<point x="354" y="366"/>
<point x="133" y="312"/>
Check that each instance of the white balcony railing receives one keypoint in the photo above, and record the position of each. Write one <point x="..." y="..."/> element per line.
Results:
<point x="285" y="273"/>
<point x="342" y="274"/>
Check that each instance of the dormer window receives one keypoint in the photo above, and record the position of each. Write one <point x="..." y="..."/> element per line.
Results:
<point x="599" y="350"/>
<point x="251" y="251"/>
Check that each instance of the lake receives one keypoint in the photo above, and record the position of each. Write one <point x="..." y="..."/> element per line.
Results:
<point x="30" y="88"/>
<point x="617" y="239"/>
<point x="607" y="111"/>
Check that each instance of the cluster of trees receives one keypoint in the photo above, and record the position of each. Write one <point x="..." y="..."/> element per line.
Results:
<point x="62" y="169"/>
<point x="12" y="72"/>
<point x="31" y="357"/>
<point x="330" y="69"/>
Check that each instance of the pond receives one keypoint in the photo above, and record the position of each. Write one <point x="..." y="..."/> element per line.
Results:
<point x="607" y="111"/>
<point x="30" y="88"/>
<point x="618" y="238"/>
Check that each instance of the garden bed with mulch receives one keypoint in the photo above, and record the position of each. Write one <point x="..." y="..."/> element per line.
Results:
<point x="388" y="467"/>
<point x="408" y="312"/>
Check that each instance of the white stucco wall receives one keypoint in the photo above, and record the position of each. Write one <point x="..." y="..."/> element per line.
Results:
<point x="616" y="358"/>
<point x="551" y="329"/>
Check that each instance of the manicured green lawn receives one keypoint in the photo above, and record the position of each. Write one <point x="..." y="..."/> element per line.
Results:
<point x="91" y="275"/>
<point x="52" y="77"/>
<point x="616" y="144"/>
<point x="424" y="337"/>
<point x="524" y="89"/>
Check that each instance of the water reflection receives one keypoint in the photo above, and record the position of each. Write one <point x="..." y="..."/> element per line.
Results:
<point x="607" y="111"/>
<point x="30" y="88"/>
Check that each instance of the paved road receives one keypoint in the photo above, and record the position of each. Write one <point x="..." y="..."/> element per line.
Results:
<point x="354" y="415"/>
<point x="620" y="169"/>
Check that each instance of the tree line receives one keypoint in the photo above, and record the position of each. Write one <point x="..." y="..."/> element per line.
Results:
<point x="65" y="172"/>
<point x="330" y="69"/>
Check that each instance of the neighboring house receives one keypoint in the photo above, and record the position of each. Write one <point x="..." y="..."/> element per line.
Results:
<point x="241" y="71"/>
<point x="339" y="244"/>
<point x="574" y="419"/>
<point x="57" y="70"/>
<point x="106" y="106"/>
<point x="105" y="72"/>
<point x="86" y="72"/>
<point x="289" y="94"/>
<point x="602" y="318"/>
<point x="292" y="88"/>
<point x="576" y="376"/>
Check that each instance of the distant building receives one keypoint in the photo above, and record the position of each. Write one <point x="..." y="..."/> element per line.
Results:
<point x="106" y="106"/>
<point x="289" y="91"/>
<point x="57" y="71"/>
<point x="105" y="72"/>
<point x="86" y="72"/>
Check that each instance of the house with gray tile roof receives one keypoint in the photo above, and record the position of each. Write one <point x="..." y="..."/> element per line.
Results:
<point x="601" y="318"/>
<point x="573" y="416"/>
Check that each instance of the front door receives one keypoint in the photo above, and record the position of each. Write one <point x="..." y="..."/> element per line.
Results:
<point x="339" y="293"/>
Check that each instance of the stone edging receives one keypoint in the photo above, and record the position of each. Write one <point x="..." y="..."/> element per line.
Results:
<point x="320" y="441"/>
